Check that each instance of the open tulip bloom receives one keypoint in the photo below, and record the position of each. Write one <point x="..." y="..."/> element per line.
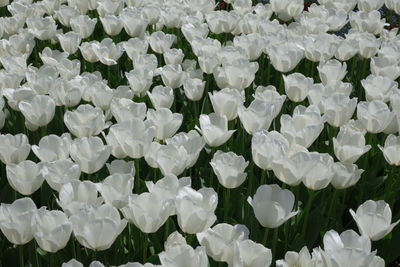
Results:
<point x="199" y="133"/>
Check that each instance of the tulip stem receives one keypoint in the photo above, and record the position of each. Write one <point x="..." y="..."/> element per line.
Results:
<point x="21" y="256"/>
<point x="265" y="238"/>
<point x="331" y="208"/>
<point x="145" y="244"/>
<point x="227" y="196"/>
<point x="311" y="196"/>
<point x="274" y="242"/>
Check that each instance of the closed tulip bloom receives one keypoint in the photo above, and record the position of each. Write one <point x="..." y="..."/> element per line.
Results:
<point x="219" y="240"/>
<point x="193" y="31"/>
<point x="214" y="129"/>
<point x="166" y="122"/>
<point x="367" y="21"/>
<point x="349" y="145"/>
<point x="320" y="47"/>
<point x="304" y="127"/>
<point x="140" y="80"/>
<point x="133" y="22"/>
<point x="171" y="159"/>
<point x="89" y="222"/>
<point x="378" y="88"/>
<point x="229" y="168"/>
<point x="75" y="195"/>
<point x="375" y="116"/>
<point x="194" y="88"/>
<point x="303" y="258"/>
<point x="339" y="109"/>
<point x="148" y="211"/>
<point x="221" y="21"/>
<point x="347" y="249"/>
<point x="52" y="147"/>
<point x="178" y="253"/>
<point x="168" y="187"/>
<point x="373" y="219"/>
<point x="370" y="5"/>
<point x="251" y="43"/>
<point x="287" y="9"/>
<point x="86" y="120"/>
<point x="42" y="28"/>
<point x="272" y="205"/>
<point x="86" y="49"/>
<point x="41" y="80"/>
<point x="347" y="49"/>
<point x="124" y="109"/>
<point x="285" y="57"/>
<point x="346" y="175"/>
<point x="316" y="168"/>
<point x="192" y="142"/>
<point x="112" y="24"/>
<point x="332" y="71"/>
<point x="59" y="172"/>
<point x="226" y="102"/>
<point x="391" y="150"/>
<point x="83" y="24"/>
<point x="116" y="188"/>
<point x="107" y="51"/>
<point x="296" y="86"/>
<point x="65" y="13"/>
<point x="173" y="56"/>
<point x="14" y="148"/>
<point x="269" y="95"/>
<point x="51" y="229"/>
<point x="385" y="66"/>
<point x="67" y="93"/>
<point x="90" y="153"/>
<point x="15" y="220"/>
<point x="238" y="74"/>
<point x="135" y="47"/>
<point x="25" y="177"/>
<point x="69" y="69"/>
<point x="263" y="143"/>
<point x="208" y="63"/>
<point x="249" y="253"/>
<point x="257" y="116"/>
<point x="119" y="166"/>
<point x="73" y="263"/>
<point x="368" y="45"/>
<point x="38" y="111"/>
<point x="161" y="97"/>
<point x="173" y="75"/>
<point x="69" y="41"/>
<point x="123" y="143"/>
<point x="195" y="209"/>
<point x="160" y="42"/>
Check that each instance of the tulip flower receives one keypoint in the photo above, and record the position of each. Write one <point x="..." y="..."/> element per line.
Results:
<point x="121" y="167"/>
<point x="257" y="116"/>
<point x="194" y="88"/>
<point x="25" y="177"/>
<point x="349" y="145"/>
<point x="69" y="41"/>
<point x="339" y="109"/>
<point x="134" y="24"/>
<point x="347" y="249"/>
<point x="161" y="97"/>
<point x="272" y="205"/>
<point x="269" y="95"/>
<point x="107" y="51"/>
<point x="161" y="42"/>
<point x="287" y="9"/>
<point x="76" y="194"/>
<point x="59" y="172"/>
<point x="140" y="80"/>
<point x="214" y="129"/>
<point x="38" y="111"/>
<point x="135" y="47"/>
<point x="178" y="253"/>
<point x="14" y="148"/>
<point x="89" y="222"/>
<point x="15" y="220"/>
<point x="304" y="127"/>
<point x="42" y="28"/>
<point x="303" y="258"/>
<point x="219" y="241"/>
<point x="331" y="71"/>
<point x="391" y="150"/>
<point x="116" y="188"/>
<point x="124" y="109"/>
<point x="226" y="102"/>
<point x="385" y="66"/>
<point x="250" y="253"/>
<point x="148" y="211"/>
<point x="229" y="168"/>
<point x="112" y="24"/>
<point x="346" y="175"/>
<point x="296" y="86"/>
<point x="375" y="116"/>
<point x="51" y="229"/>
<point x="373" y="219"/>
<point x="83" y="24"/>
<point x="368" y="5"/>
<point x="367" y="21"/>
<point x="379" y="88"/>
<point x="53" y="147"/>
<point x="195" y="209"/>
<point x="86" y="120"/>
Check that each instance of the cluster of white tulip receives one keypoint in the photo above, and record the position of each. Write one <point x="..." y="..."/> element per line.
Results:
<point x="170" y="47"/>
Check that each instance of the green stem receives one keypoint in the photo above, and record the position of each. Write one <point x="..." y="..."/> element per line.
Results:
<point x="311" y="196"/>
<point x="274" y="242"/>
<point x="21" y="256"/>
<point x="145" y="245"/>
<point x="265" y="238"/>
